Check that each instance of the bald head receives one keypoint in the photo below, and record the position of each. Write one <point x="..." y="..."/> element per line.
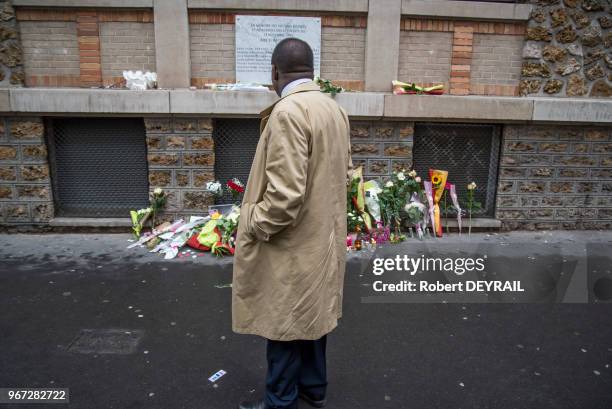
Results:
<point x="292" y="59"/>
<point x="293" y="55"/>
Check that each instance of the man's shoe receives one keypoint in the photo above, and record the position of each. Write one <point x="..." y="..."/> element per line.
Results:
<point x="260" y="404"/>
<point x="313" y="401"/>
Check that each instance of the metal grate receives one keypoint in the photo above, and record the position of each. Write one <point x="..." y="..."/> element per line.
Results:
<point x="235" y="145"/>
<point x="99" y="166"/>
<point x="469" y="152"/>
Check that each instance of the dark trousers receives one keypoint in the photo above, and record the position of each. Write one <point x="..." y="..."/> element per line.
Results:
<point x="293" y="366"/>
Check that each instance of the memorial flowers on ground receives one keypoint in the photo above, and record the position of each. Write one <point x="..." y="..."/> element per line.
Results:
<point x="215" y="232"/>
<point x="403" y="200"/>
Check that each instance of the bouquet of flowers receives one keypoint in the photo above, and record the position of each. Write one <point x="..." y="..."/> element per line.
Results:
<point x="327" y="86"/>
<point x="215" y="188"/>
<point x="393" y="198"/>
<point x="157" y="201"/>
<point x="236" y="187"/>
<point x="472" y="204"/>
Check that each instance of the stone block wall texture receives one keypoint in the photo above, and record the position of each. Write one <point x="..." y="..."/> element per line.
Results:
<point x="555" y="177"/>
<point x="425" y="57"/>
<point x="126" y="46"/>
<point x="51" y="50"/>
<point x="381" y="147"/>
<point x="11" y="53"/>
<point x="181" y="160"/>
<point x="212" y="46"/>
<point x="496" y="64"/>
<point x="568" y="51"/>
<point x="25" y="185"/>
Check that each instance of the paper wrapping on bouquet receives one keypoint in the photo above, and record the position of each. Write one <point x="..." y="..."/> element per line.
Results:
<point x="438" y="182"/>
<point x="359" y="199"/>
<point x="419" y="230"/>
<point x="371" y="199"/>
<point x="430" y="202"/>
<point x="453" y="195"/>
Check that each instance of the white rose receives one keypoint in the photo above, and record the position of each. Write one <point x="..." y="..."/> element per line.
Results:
<point x="401" y="176"/>
<point x="158" y="191"/>
<point x="389" y="184"/>
<point x="417" y="179"/>
<point x="412" y="173"/>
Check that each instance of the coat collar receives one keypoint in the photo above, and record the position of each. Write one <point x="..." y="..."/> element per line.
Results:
<point x="307" y="86"/>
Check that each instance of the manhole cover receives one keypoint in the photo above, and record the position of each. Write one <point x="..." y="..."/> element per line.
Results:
<point x="106" y="341"/>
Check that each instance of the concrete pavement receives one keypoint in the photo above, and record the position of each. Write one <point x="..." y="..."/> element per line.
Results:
<point x="383" y="355"/>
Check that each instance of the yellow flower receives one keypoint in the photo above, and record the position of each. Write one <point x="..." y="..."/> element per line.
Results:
<point x="215" y="216"/>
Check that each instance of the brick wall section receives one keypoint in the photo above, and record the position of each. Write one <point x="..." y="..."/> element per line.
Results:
<point x="462" y="49"/>
<point x="555" y="177"/>
<point x="382" y="147"/>
<point x="212" y="53"/>
<point x="126" y="46"/>
<point x="496" y="64"/>
<point x="181" y="160"/>
<point x="51" y="53"/>
<point x="88" y="32"/>
<point x="343" y="56"/>
<point x="212" y="44"/>
<point x="84" y="44"/>
<point x="425" y="57"/>
<point x="461" y="61"/>
<point x="25" y="187"/>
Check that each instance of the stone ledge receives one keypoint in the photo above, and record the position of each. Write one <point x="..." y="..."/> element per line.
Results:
<point x="572" y="110"/>
<point x="348" y="6"/>
<point x="84" y="101"/>
<point x="459" y="108"/>
<point x="473" y="10"/>
<point x="84" y="3"/>
<point x="90" y="222"/>
<point x="477" y="223"/>
<point x="243" y="103"/>
<point x="251" y="103"/>
<point x="362" y="105"/>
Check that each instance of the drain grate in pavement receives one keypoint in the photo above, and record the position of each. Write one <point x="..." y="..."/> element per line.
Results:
<point x="106" y="341"/>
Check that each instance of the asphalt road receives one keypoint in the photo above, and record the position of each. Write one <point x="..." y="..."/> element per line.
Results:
<point x="383" y="355"/>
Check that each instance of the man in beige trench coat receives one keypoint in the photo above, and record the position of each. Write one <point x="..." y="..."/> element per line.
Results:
<point x="290" y="251"/>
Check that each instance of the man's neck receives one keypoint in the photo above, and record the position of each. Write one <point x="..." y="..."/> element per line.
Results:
<point x="294" y="83"/>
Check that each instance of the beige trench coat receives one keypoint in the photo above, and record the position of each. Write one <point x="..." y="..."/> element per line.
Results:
<point x="291" y="243"/>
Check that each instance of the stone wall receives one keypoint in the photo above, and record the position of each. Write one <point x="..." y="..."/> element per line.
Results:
<point x="181" y="160"/>
<point x="126" y="46"/>
<point x="568" y="52"/>
<point x="425" y="57"/>
<point x="496" y="64"/>
<point x="11" y="54"/>
<point x="555" y="177"/>
<point x="25" y="186"/>
<point x="382" y="147"/>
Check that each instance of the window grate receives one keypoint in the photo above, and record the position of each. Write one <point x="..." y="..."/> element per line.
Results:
<point x="469" y="152"/>
<point x="235" y="145"/>
<point x="99" y="166"/>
